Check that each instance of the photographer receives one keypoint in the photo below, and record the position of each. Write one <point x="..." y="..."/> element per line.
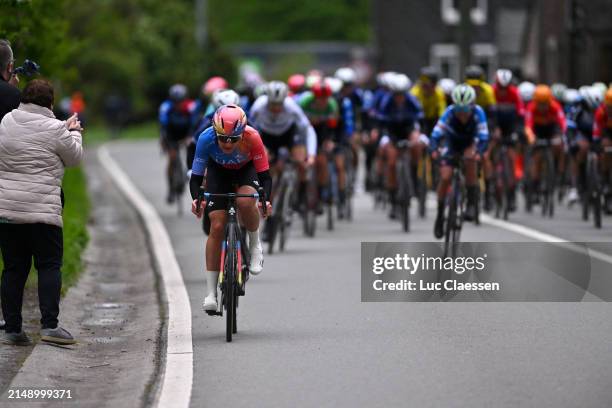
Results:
<point x="9" y="93"/>
<point x="34" y="149"/>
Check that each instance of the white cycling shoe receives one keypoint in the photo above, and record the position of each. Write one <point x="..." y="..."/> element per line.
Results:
<point x="210" y="302"/>
<point x="572" y="196"/>
<point x="256" y="265"/>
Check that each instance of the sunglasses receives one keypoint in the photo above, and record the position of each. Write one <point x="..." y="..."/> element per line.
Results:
<point x="463" y="109"/>
<point x="228" y="139"/>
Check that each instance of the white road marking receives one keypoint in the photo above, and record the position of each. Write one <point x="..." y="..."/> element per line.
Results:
<point x="534" y="234"/>
<point x="544" y="237"/>
<point x="177" y="372"/>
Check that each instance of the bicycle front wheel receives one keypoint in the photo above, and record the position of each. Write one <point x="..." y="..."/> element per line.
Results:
<point x="231" y="271"/>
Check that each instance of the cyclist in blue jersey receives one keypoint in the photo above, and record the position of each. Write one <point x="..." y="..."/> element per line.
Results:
<point x="175" y="124"/>
<point x="464" y="127"/>
<point x="234" y="159"/>
<point x="399" y="115"/>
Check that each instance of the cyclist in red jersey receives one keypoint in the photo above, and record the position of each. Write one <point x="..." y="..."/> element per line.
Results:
<point x="602" y="134"/>
<point x="544" y="119"/>
<point x="510" y="115"/>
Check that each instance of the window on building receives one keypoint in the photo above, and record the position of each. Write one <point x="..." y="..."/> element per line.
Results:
<point x="485" y="55"/>
<point x="445" y="57"/>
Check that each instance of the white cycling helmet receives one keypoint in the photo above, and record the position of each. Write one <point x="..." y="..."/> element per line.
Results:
<point x="400" y="83"/>
<point x="346" y="75"/>
<point x="335" y="84"/>
<point x="225" y="97"/>
<point x="277" y="91"/>
<point x="526" y="90"/>
<point x="177" y="92"/>
<point x="503" y="77"/>
<point x="386" y="78"/>
<point x="312" y="79"/>
<point x="591" y="96"/>
<point x="571" y="96"/>
<point x="447" y="85"/>
<point x="558" y="90"/>
<point x="260" y="89"/>
<point x="601" y="87"/>
<point x="463" y="95"/>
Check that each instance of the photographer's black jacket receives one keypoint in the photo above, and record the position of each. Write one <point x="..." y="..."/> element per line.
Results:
<point x="9" y="97"/>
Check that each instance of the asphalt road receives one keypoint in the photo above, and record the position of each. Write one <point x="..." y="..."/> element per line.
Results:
<point x="305" y="338"/>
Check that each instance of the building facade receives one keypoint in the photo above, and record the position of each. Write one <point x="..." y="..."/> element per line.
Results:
<point x="544" y="40"/>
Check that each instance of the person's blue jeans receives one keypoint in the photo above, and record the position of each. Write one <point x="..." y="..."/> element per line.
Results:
<point x="19" y="244"/>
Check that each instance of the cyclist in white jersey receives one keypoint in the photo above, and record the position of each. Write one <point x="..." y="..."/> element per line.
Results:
<point x="282" y="123"/>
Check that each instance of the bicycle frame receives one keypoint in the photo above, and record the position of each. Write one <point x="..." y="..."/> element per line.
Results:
<point x="233" y="272"/>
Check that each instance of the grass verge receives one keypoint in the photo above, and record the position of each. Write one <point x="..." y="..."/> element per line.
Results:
<point x="76" y="214"/>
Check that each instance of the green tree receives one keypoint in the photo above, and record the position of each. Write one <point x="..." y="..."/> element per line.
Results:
<point x="291" y="20"/>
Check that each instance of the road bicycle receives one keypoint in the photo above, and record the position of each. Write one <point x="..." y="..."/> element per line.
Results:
<point x="282" y="213"/>
<point x="235" y="258"/>
<point x="405" y="183"/>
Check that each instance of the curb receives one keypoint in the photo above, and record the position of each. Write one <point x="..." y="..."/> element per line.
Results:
<point x="176" y="373"/>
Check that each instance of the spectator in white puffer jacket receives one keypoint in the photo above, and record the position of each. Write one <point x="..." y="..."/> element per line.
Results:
<point x="34" y="149"/>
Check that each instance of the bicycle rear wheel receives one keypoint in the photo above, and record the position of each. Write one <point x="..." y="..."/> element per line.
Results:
<point x="229" y="287"/>
<point x="451" y="222"/>
<point x="594" y="188"/>
<point x="551" y="183"/>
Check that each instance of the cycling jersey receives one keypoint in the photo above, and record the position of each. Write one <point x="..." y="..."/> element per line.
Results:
<point x="603" y="123"/>
<point x="328" y="112"/>
<point x="461" y="135"/>
<point x="175" y="118"/>
<point x="510" y="107"/>
<point x="278" y="124"/>
<point x="580" y="121"/>
<point x="433" y="104"/>
<point x="249" y="148"/>
<point x="485" y="96"/>
<point x="552" y="116"/>
<point x="400" y="120"/>
<point x="346" y="127"/>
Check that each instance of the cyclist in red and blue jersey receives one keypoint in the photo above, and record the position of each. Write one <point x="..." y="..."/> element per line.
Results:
<point x="510" y="118"/>
<point x="233" y="156"/>
<point x="399" y="116"/>
<point x="464" y="125"/>
<point x="175" y="124"/>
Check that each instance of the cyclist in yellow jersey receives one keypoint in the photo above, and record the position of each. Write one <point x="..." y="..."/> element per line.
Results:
<point x="431" y="97"/>
<point x="485" y="95"/>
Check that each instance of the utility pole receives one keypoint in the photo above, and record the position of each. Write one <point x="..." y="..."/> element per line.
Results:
<point x="201" y="26"/>
<point x="465" y="26"/>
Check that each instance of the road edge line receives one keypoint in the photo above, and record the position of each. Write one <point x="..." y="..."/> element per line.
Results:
<point x="177" y="374"/>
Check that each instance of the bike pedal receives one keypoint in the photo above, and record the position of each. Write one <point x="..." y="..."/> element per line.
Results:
<point x="213" y="313"/>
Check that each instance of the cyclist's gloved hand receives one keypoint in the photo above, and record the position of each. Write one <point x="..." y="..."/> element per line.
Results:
<point x="268" y="208"/>
<point x="194" y="208"/>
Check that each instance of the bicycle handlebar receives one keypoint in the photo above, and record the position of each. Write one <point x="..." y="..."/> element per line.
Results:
<point x="261" y="195"/>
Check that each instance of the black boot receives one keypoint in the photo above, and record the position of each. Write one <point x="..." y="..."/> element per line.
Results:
<point x="439" y="223"/>
<point x="472" y="202"/>
<point x="535" y="191"/>
<point x="489" y="191"/>
<point x="393" y="202"/>
<point x="341" y="202"/>
<point x="512" y="200"/>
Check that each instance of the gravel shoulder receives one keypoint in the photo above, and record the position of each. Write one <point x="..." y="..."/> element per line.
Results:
<point x="113" y="312"/>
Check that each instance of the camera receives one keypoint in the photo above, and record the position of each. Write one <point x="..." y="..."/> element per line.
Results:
<point x="28" y="68"/>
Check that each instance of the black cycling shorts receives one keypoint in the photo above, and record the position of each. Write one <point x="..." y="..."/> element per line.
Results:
<point x="221" y="180"/>
<point x="275" y="142"/>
